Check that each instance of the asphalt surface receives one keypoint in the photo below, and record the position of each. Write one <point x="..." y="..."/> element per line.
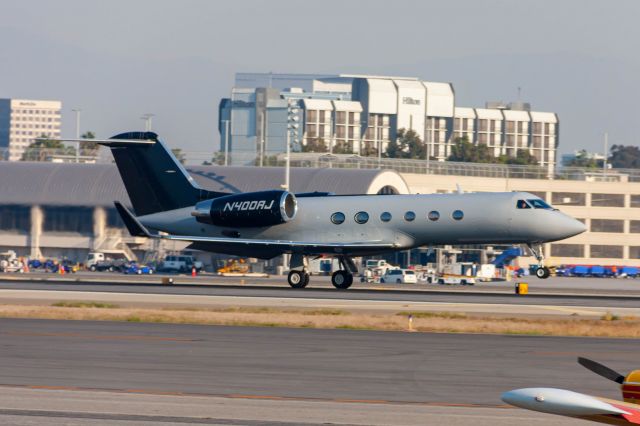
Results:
<point x="468" y="296"/>
<point x="72" y="372"/>
<point x="586" y="285"/>
<point x="299" y="363"/>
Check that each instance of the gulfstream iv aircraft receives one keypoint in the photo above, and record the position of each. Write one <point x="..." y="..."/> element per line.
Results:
<point x="169" y="205"/>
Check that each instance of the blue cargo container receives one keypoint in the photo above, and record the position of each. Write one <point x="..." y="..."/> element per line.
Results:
<point x="580" y="271"/>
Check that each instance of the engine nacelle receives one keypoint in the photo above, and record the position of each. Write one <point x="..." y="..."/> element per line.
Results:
<point x="250" y="209"/>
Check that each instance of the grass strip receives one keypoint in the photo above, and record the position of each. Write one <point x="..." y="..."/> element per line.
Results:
<point x="440" y="322"/>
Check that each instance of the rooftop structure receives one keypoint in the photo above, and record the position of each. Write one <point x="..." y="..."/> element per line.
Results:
<point x="361" y="114"/>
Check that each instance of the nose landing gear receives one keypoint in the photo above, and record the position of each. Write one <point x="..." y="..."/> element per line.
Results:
<point x="542" y="271"/>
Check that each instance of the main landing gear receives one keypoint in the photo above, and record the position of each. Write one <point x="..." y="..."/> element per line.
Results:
<point x="341" y="279"/>
<point x="542" y="271"/>
<point x="298" y="275"/>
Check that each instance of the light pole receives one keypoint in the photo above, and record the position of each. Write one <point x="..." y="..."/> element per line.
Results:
<point x="77" y="111"/>
<point x="226" y="142"/>
<point x="292" y="127"/>
<point x="604" y="161"/>
<point x="147" y="121"/>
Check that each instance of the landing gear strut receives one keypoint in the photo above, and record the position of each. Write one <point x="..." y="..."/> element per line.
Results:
<point x="343" y="278"/>
<point x="542" y="271"/>
<point x="298" y="275"/>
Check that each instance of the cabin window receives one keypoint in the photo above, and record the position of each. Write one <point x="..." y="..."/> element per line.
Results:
<point x="433" y="215"/>
<point x="361" y="217"/>
<point x="522" y="204"/>
<point x="338" y="218"/>
<point x="457" y="215"/>
<point x="385" y="217"/>
<point x="409" y="216"/>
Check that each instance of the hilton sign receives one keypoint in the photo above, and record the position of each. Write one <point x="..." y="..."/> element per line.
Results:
<point x="410" y="101"/>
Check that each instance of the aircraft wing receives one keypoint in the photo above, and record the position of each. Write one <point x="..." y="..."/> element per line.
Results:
<point x="572" y="404"/>
<point x="137" y="229"/>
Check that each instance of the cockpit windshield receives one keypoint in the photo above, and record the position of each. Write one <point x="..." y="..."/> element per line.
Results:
<point x="539" y="204"/>
<point x="522" y="204"/>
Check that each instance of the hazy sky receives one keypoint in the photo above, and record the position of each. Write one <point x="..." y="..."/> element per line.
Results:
<point x="119" y="59"/>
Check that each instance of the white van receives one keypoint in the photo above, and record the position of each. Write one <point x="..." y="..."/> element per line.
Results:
<point x="399" y="276"/>
<point x="181" y="264"/>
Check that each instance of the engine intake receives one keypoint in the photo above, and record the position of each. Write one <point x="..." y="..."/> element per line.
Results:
<point x="251" y="209"/>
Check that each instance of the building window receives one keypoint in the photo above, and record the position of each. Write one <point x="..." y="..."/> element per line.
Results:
<point x="361" y="217"/>
<point x="68" y="219"/>
<point x="607" y="225"/>
<point x="387" y="190"/>
<point x="635" y="201"/>
<point x="113" y="219"/>
<point x="607" y="200"/>
<point x="634" y="226"/>
<point x="15" y="218"/>
<point x="409" y="216"/>
<point x="567" y="250"/>
<point x="385" y="217"/>
<point x="606" y="251"/>
<point x="457" y="215"/>
<point x="338" y="218"/>
<point x="568" y="199"/>
<point x="634" y="252"/>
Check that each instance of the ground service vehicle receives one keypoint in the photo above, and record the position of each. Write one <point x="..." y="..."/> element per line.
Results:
<point x="9" y="262"/>
<point x="181" y="264"/>
<point x="399" y="276"/>
<point x="93" y="258"/>
<point x="169" y="205"/>
<point x="134" y="268"/>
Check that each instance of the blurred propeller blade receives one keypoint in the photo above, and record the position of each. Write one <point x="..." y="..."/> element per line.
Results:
<point x="601" y="370"/>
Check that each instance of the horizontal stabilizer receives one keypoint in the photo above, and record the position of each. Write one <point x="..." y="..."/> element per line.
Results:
<point x="106" y="142"/>
<point x="135" y="228"/>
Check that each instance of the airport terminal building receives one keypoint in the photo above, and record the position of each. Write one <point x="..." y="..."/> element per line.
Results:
<point x="66" y="209"/>
<point x="360" y="114"/>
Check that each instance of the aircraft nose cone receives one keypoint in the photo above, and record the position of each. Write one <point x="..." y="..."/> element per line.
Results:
<point x="519" y="397"/>
<point x="575" y="227"/>
<point x="562" y="226"/>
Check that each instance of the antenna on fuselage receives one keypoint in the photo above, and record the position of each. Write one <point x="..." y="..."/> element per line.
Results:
<point x="459" y="189"/>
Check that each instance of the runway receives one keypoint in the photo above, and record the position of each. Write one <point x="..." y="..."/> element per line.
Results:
<point x="416" y="374"/>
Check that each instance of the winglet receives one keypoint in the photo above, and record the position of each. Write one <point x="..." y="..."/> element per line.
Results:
<point x="135" y="228"/>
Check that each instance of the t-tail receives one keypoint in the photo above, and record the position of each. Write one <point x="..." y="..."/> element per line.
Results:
<point x="154" y="179"/>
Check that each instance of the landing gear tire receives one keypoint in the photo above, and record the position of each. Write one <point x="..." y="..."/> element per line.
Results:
<point x="298" y="279"/>
<point x="341" y="279"/>
<point x="543" y="272"/>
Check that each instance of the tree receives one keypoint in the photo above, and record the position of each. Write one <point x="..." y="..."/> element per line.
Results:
<point x="465" y="151"/>
<point x="523" y="158"/>
<point x="180" y="156"/>
<point x="624" y="157"/>
<point x="407" y="145"/>
<point x="583" y="159"/>
<point x="342" y="148"/>
<point x="44" y="147"/>
<point x="88" y="148"/>
<point x="314" y="145"/>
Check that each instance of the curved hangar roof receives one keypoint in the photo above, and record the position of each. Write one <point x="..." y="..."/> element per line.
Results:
<point x="100" y="184"/>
